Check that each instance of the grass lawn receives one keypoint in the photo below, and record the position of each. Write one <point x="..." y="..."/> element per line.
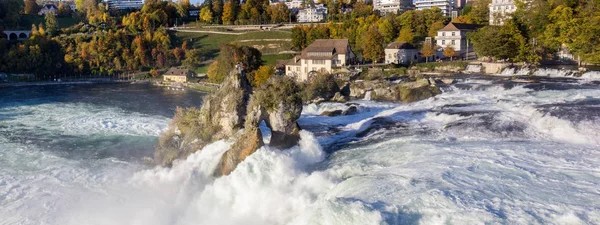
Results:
<point x="272" y="59"/>
<point x="209" y="44"/>
<point x="28" y="20"/>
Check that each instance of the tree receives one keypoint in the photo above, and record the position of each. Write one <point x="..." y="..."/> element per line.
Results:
<point x="373" y="45"/>
<point x="262" y="75"/>
<point x="480" y="12"/>
<point x="298" y="38"/>
<point x="449" y="52"/>
<point x="64" y="10"/>
<point x="229" y="12"/>
<point x="51" y="24"/>
<point x="387" y="30"/>
<point x="406" y="35"/>
<point x="427" y="50"/>
<point x="217" y="9"/>
<point x="10" y="12"/>
<point x="31" y="7"/>
<point x="435" y="27"/>
<point x="206" y="15"/>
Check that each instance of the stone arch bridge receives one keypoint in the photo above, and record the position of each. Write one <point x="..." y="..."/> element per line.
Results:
<point x="15" y="34"/>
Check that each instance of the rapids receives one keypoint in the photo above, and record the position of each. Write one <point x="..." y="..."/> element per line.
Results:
<point x="485" y="151"/>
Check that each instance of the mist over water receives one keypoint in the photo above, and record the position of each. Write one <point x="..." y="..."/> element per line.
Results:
<point x="485" y="151"/>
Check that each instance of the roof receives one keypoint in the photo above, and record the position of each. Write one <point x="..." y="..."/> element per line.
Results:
<point x="460" y="26"/>
<point x="174" y="71"/>
<point x="335" y="46"/>
<point x="400" y="45"/>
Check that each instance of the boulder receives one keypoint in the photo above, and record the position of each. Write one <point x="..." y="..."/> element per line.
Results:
<point x="332" y="113"/>
<point x="418" y="90"/>
<point x="338" y="97"/>
<point x="350" y="111"/>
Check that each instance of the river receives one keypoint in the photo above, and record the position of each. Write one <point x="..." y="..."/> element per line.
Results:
<point x="485" y="151"/>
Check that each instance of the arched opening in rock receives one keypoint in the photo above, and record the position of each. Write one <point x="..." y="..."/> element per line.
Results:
<point x="266" y="132"/>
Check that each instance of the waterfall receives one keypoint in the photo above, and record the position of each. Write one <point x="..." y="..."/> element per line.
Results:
<point x="515" y="72"/>
<point x="592" y="75"/>
<point x="368" y="95"/>
<point x="550" y="72"/>
<point x="473" y="69"/>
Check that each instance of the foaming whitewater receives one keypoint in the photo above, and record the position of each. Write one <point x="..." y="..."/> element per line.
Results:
<point x="485" y="151"/>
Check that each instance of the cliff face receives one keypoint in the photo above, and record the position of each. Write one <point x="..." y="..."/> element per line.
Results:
<point x="224" y="113"/>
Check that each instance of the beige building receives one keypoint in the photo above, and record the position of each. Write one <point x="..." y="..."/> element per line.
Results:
<point x="401" y="53"/>
<point x="175" y="74"/>
<point x="455" y="35"/>
<point x="323" y="55"/>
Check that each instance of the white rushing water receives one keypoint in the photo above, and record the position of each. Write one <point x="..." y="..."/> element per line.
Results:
<point x="479" y="153"/>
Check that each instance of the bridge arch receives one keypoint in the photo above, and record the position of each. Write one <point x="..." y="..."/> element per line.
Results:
<point x="22" y="36"/>
<point x="12" y="36"/>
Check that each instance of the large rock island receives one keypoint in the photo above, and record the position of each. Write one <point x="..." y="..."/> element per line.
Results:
<point x="234" y="111"/>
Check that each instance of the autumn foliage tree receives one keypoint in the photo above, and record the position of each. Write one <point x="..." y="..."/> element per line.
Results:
<point x="427" y="50"/>
<point x="373" y="45"/>
<point x="449" y="52"/>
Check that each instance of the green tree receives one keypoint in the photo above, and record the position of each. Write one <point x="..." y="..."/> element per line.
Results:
<point x="373" y="45"/>
<point x="10" y="12"/>
<point x="480" y="12"/>
<point x="51" y="24"/>
<point x="298" y="38"/>
<point x="387" y="30"/>
<point x="217" y="9"/>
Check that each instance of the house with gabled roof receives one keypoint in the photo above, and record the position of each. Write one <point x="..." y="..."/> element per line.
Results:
<point x="401" y="53"/>
<point x="322" y="56"/>
<point x="455" y="35"/>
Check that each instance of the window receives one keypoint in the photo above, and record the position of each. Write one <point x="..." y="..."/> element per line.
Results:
<point x="443" y="42"/>
<point x="318" y="61"/>
<point x="289" y="68"/>
<point x="443" y="33"/>
<point x="453" y="33"/>
<point x="452" y="42"/>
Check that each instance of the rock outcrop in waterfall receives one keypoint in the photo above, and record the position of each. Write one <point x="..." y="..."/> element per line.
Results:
<point x="234" y="112"/>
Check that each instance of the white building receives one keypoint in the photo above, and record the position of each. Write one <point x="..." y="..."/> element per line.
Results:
<point x="392" y="6"/>
<point x="322" y="56"/>
<point x="401" y="53"/>
<point x="455" y="35"/>
<point x="124" y="4"/>
<point x="501" y="10"/>
<point x="294" y="4"/>
<point x="313" y="14"/>
<point x="447" y="6"/>
<point x="48" y="8"/>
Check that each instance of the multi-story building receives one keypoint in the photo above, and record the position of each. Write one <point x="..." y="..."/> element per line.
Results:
<point x="455" y="35"/>
<point x="392" y="6"/>
<point x="322" y="56"/>
<point x="124" y="4"/>
<point x="447" y="6"/>
<point x="501" y="10"/>
<point x="313" y="14"/>
<point x="293" y="4"/>
<point x="401" y="53"/>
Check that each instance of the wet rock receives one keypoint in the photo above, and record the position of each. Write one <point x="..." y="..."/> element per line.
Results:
<point x="234" y="112"/>
<point x="279" y="105"/>
<point x="338" y="97"/>
<point x="418" y="90"/>
<point x="221" y="116"/>
<point x="332" y="113"/>
<point x="350" y="111"/>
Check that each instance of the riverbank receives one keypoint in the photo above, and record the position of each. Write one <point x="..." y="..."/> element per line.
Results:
<point x="42" y="83"/>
